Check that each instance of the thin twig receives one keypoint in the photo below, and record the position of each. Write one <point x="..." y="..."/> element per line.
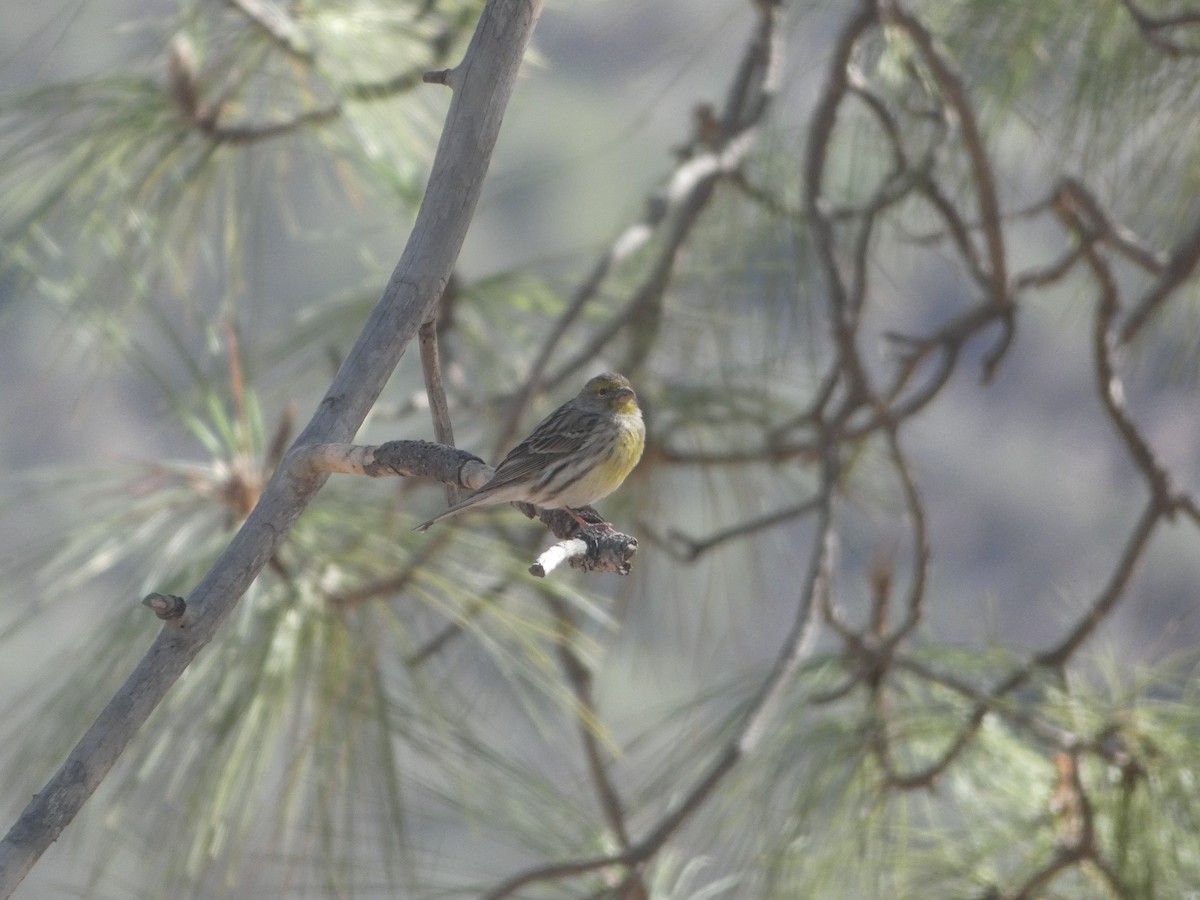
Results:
<point x="1106" y="600"/>
<point x="819" y="219"/>
<point x="1112" y="394"/>
<point x="392" y="584"/>
<point x="795" y="650"/>
<point x="678" y="204"/>
<point x="242" y="135"/>
<point x="1072" y="197"/>
<point x="455" y="629"/>
<point x="1152" y="28"/>
<point x="579" y="677"/>
<point x="920" y="537"/>
<point x="688" y="549"/>
<point x="435" y="390"/>
<point x="275" y="21"/>
<point x="1054" y="657"/>
<point x="1176" y="269"/>
<point x="959" y="102"/>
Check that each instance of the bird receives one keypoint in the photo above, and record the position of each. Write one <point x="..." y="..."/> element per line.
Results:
<point x="577" y="455"/>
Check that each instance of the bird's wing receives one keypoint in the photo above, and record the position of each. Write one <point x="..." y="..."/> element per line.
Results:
<point x="563" y="432"/>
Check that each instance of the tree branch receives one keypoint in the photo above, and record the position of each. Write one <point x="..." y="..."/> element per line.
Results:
<point x="486" y="78"/>
<point x="443" y="430"/>
<point x="959" y="103"/>
<point x="796" y="648"/>
<point x="714" y="153"/>
<point x="1153" y="28"/>
<point x="1176" y="269"/>
<point x="275" y="21"/>
<point x="580" y="678"/>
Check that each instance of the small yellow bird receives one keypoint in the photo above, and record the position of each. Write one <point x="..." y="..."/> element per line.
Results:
<point x="579" y="453"/>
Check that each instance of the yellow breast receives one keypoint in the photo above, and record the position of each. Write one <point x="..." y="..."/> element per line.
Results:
<point x="607" y="475"/>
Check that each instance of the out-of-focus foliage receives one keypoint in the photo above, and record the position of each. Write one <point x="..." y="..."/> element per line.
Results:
<point x="917" y="547"/>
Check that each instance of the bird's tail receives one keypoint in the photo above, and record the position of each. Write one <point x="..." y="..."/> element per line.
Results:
<point x="452" y="511"/>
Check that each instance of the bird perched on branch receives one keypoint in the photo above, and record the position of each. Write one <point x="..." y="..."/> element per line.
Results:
<point x="580" y="453"/>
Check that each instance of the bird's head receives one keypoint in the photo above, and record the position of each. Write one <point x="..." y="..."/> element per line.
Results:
<point x="610" y="391"/>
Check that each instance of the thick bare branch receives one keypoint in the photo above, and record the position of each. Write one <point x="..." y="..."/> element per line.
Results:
<point x="489" y="72"/>
<point x="409" y="459"/>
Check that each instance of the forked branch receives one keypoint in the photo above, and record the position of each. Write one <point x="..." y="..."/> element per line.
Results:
<point x="456" y="179"/>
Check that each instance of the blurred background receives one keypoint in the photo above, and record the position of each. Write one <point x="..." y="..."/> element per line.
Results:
<point x="175" y="301"/>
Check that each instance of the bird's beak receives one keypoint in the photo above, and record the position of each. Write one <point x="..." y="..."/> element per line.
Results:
<point x="625" y="395"/>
